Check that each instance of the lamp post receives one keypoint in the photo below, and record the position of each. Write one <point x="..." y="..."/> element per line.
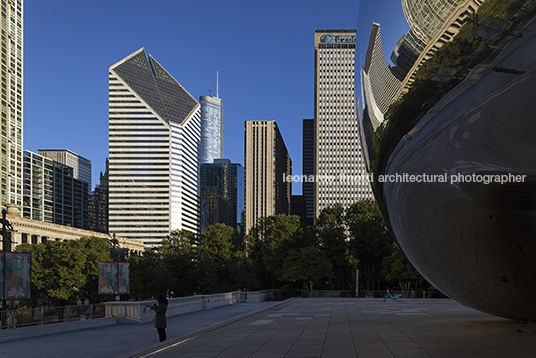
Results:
<point x="6" y="247"/>
<point x="116" y="251"/>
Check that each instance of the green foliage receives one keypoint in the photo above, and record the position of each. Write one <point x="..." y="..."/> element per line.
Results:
<point x="169" y="268"/>
<point x="397" y="268"/>
<point x="371" y="241"/>
<point x="63" y="271"/>
<point x="308" y="266"/>
<point x="269" y="242"/>
<point x="331" y="238"/>
<point x="218" y="263"/>
<point x="280" y="253"/>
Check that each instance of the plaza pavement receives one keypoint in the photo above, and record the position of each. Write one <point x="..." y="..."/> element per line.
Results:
<point x="313" y="327"/>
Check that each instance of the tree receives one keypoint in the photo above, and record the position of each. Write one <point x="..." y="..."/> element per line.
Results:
<point x="397" y="268"/>
<point x="169" y="268"/>
<point x="308" y="265"/>
<point x="217" y="260"/>
<point x="371" y="241"/>
<point x="269" y="243"/>
<point x="331" y="238"/>
<point x="63" y="271"/>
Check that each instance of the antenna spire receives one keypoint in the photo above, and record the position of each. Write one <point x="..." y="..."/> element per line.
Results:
<point x="217" y="84"/>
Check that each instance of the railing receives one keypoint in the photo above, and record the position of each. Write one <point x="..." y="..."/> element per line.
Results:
<point x="134" y="312"/>
<point x="331" y="293"/>
<point x="36" y="316"/>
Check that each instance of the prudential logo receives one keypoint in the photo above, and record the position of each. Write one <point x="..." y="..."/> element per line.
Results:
<point x="328" y="38"/>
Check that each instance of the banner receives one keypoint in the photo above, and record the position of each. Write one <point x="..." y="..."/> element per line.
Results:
<point x="124" y="277"/>
<point x="110" y="279"/>
<point x="17" y="283"/>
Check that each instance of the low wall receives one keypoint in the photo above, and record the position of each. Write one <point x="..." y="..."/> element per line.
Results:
<point x="8" y="335"/>
<point x="134" y="312"/>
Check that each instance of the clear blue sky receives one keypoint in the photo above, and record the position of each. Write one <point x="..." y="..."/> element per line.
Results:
<point x="263" y="51"/>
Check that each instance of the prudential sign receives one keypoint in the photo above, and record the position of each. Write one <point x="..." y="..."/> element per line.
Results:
<point x="331" y="39"/>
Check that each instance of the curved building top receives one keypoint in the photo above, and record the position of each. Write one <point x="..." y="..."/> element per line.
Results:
<point x="426" y="17"/>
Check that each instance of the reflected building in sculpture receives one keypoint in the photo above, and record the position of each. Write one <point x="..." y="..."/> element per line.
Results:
<point x="472" y="234"/>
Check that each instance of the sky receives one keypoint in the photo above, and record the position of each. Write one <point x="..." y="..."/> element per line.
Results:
<point x="262" y="50"/>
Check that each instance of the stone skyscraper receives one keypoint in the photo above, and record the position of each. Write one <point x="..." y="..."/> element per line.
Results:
<point x="338" y="152"/>
<point x="266" y="165"/>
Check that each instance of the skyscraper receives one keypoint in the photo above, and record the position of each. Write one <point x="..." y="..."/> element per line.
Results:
<point x="308" y="163"/>
<point x="81" y="166"/>
<point x="11" y="168"/>
<point x="98" y="204"/>
<point x="228" y="178"/>
<point x="154" y="138"/>
<point x="338" y="152"/>
<point x="211" y="128"/>
<point x="52" y="194"/>
<point x="266" y="165"/>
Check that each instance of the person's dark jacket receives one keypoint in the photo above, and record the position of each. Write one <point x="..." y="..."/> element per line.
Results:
<point x="160" y="315"/>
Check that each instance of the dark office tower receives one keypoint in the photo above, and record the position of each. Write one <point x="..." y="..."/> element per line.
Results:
<point x="266" y="166"/>
<point x="297" y="206"/>
<point x="52" y="194"/>
<point x="308" y="163"/>
<point x="222" y="183"/>
<point x="98" y="205"/>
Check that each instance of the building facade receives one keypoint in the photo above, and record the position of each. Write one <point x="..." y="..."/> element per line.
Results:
<point x="308" y="165"/>
<point x="267" y="164"/>
<point x="98" y="204"/>
<point x="228" y="178"/>
<point x="154" y="139"/>
<point x="432" y="24"/>
<point x="211" y="128"/>
<point x="338" y="152"/>
<point x="39" y="232"/>
<point x="11" y="72"/>
<point x="81" y="166"/>
<point x="52" y="194"/>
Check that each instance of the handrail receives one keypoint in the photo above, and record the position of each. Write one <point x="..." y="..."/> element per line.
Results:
<point x="43" y="315"/>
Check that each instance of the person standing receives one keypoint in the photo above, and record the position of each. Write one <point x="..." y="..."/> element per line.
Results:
<point x="160" y="316"/>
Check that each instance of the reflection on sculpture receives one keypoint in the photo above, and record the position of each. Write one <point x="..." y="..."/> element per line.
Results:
<point x="458" y="102"/>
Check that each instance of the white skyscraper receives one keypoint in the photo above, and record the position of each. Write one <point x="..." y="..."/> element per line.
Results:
<point x="154" y="140"/>
<point x="338" y="152"/>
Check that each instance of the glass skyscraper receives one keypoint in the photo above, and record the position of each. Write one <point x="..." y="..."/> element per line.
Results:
<point x="81" y="166"/>
<point x="228" y="179"/>
<point x="211" y="128"/>
<point x="11" y="168"/>
<point x="154" y="139"/>
<point x="52" y="194"/>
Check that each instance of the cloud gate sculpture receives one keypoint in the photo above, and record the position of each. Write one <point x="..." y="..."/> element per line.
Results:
<point x="448" y="127"/>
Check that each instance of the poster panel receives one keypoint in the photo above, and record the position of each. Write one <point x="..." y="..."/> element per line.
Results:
<point x="107" y="278"/>
<point x="124" y="278"/>
<point x="17" y="280"/>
